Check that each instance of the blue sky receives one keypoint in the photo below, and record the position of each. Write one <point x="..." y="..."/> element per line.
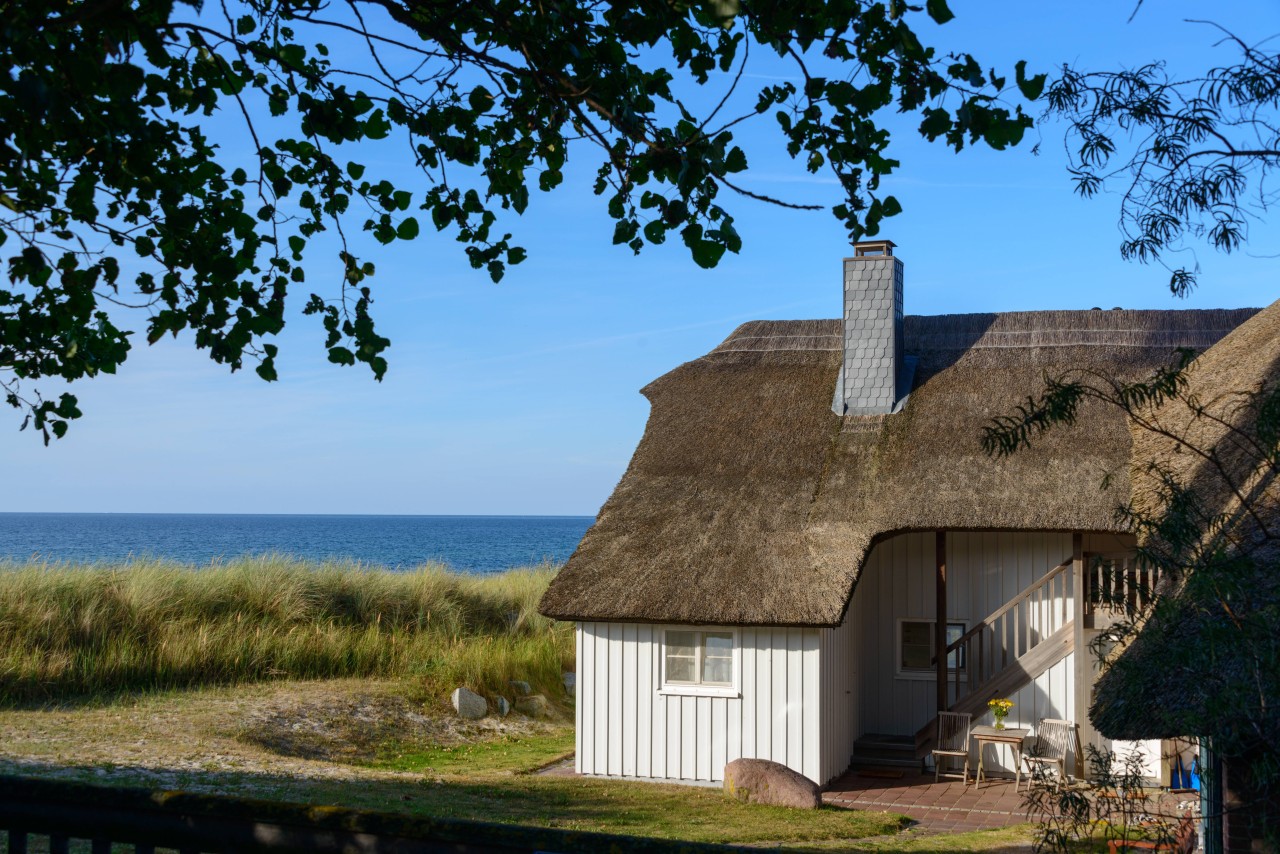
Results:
<point x="523" y="397"/>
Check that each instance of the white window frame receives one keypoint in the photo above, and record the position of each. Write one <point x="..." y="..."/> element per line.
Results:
<point x="931" y="673"/>
<point x="693" y="689"/>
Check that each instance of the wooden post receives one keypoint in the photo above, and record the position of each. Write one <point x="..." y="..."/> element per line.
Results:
<point x="1083" y="670"/>
<point x="940" y="614"/>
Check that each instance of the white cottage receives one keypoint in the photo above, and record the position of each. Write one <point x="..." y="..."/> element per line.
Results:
<point x="810" y="554"/>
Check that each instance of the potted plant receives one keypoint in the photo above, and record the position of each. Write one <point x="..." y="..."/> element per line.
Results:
<point x="1000" y="710"/>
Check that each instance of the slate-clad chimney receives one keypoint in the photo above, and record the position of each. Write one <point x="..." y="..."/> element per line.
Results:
<point x="875" y="377"/>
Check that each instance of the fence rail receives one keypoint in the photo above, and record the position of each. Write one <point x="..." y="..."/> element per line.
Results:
<point x="107" y="817"/>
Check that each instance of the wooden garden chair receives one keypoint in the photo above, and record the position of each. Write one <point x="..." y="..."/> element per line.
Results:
<point x="1055" y="740"/>
<point x="953" y="742"/>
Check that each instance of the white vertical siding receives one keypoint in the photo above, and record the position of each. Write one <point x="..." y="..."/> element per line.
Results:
<point x="626" y="727"/>
<point x="838" y="681"/>
<point x="984" y="570"/>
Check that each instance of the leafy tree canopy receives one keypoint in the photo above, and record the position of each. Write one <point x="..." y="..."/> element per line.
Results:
<point x="112" y="195"/>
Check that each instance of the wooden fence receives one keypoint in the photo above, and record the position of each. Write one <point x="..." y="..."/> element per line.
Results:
<point x="102" y="819"/>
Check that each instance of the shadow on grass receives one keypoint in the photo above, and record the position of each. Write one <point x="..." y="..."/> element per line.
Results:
<point x="609" y="806"/>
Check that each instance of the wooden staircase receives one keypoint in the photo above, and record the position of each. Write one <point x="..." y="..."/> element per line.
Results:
<point x="1009" y="648"/>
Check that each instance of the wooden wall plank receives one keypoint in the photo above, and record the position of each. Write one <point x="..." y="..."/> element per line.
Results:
<point x="810" y="699"/>
<point x="778" y="703"/>
<point x="794" y="699"/>
<point x="703" y="740"/>
<point x="578" y="727"/>
<point x="615" y="709"/>
<point x="630" y="688"/>
<point x="646" y="690"/>
<point x="749" y="693"/>
<point x="688" y="738"/>
<point x="658" y="749"/>
<point x="719" y="737"/>
<point x="586" y="740"/>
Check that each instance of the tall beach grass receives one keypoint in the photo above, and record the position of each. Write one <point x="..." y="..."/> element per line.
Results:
<point x="70" y="631"/>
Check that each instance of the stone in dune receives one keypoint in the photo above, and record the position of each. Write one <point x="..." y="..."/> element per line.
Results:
<point x="504" y="706"/>
<point x="534" y="705"/>
<point x="570" y="683"/>
<point x="470" y="705"/>
<point x="759" y="781"/>
<point x="522" y="689"/>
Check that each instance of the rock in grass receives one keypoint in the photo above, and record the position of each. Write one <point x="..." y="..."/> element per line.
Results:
<point x="469" y="705"/>
<point x="534" y="705"/>
<point x="522" y="689"/>
<point x="759" y="781"/>
<point x="570" y="683"/>
<point x="504" y="706"/>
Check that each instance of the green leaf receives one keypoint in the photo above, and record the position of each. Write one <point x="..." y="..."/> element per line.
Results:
<point x="480" y="99"/>
<point x="938" y="11"/>
<point x="408" y="228"/>
<point x="1031" y="88"/>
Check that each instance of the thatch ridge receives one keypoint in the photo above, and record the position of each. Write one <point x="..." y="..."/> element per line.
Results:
<point x="748" y="502"/>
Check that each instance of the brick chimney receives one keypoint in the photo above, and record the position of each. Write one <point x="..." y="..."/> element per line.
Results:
<point x="874" y="377"/>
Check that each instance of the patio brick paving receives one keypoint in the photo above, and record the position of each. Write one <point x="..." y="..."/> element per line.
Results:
<point x="945" y="806"/>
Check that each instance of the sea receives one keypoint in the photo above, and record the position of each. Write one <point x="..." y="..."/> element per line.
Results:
<point x="477" y="544"/>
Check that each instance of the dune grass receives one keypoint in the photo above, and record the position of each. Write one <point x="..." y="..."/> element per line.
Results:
<point x="74" y="631"/>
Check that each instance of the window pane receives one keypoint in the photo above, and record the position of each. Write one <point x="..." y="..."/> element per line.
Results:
<point x="682" y="662"/>
<point x="680" y="669"/>
<point x="717" y="671"/>
<point x="955" y="660"/>
<point x="917" y="645"/>
<point x="681" y="643"/>
<point x="717" y="658"/>
<point x="718" y="643"/>
<point x="917" y="634"/>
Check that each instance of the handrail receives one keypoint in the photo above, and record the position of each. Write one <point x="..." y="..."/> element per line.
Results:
<point x="1009" y="633"/>
<point x="986" y="621"/>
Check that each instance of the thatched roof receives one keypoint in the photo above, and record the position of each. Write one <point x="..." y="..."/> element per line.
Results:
<point x="748" y="502"/>
<point x="1176" y="674"/>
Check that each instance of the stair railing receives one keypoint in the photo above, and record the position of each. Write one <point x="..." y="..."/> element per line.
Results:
<point x="1010" y="632"/>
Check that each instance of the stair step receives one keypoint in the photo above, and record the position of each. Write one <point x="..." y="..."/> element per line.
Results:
<point x="885" y="751"/>
<point x="876" y="739"/>
<point x="870" y="762"/>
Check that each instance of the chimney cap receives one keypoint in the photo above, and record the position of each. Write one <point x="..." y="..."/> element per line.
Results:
<point x="873" y="247"/>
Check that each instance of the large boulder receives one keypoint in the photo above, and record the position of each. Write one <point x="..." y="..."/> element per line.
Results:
<point x="759" y="781"/>
<point x="469" y="705"/>
<point x="570" y="683"/>
<point x="534" y="705"/>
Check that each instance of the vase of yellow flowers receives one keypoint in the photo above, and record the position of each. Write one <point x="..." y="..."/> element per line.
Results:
<point x="1000" y="710"/>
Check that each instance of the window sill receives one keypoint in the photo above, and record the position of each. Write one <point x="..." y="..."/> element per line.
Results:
<point x="698" y="691"/>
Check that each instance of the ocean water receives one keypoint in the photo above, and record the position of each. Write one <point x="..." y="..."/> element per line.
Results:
<point x="465" y="543"/>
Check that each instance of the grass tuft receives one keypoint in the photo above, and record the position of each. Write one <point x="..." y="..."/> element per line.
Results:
<point x="72" y="631"/>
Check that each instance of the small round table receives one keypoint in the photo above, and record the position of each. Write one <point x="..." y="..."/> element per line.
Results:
<point x="1010" y="736"/>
